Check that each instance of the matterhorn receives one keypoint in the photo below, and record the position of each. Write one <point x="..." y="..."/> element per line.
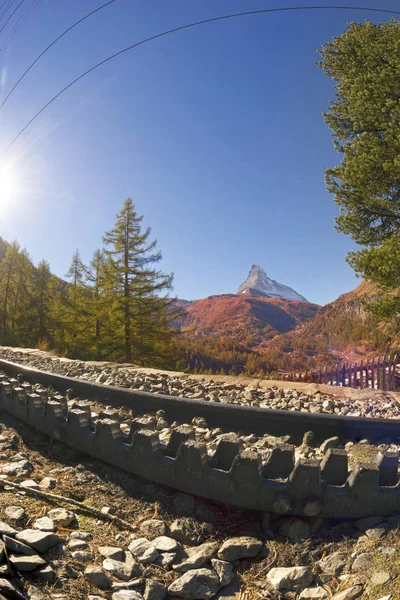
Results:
<point x="259" y="284"/>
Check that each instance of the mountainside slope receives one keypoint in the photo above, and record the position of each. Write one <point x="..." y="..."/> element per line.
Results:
<point x="258" y="281"/>
<point x="343" y="328"/>
<point x="255" y="319"/>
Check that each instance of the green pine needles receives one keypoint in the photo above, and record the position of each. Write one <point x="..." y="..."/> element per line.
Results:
<point x="364" y="62"/>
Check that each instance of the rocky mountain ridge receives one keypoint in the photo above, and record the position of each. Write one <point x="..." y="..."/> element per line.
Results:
<point x="258" y="283"/>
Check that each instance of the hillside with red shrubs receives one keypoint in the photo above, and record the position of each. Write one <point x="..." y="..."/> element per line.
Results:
<point x="245" y="318"/>
<point x="258" y="335"/>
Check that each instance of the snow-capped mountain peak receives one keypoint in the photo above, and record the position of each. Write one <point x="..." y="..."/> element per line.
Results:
<point x="258" y="281"/>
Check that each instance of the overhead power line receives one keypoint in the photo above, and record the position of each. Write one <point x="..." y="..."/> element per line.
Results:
<point x="11" y="16"/>
<point x="188" y="26"/>
<point x="7" y="8"/>
<point x="51" y="45"/>
<point x="19" y="23"/>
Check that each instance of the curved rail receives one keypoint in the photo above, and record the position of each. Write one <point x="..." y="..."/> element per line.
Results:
<point x="230" y="417"/>
<point x="231" y="475"/>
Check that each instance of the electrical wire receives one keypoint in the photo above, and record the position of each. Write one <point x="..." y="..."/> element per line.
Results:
<point x="181" y="28"/>
<point x="7" y="8"/>
<point x="11" y="16"/>
<point x="51" y="45"/>
<point x="19" y="23"/>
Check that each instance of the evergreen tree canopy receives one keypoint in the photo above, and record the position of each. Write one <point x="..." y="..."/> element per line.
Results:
<point x="136" y="288"/>
<point x="365" y="120"/>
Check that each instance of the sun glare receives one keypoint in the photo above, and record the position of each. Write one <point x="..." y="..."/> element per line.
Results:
<point x="8" y="186"/>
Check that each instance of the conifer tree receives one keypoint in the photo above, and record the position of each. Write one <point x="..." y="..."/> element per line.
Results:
<point x="98" y="304"/>
<point x="75" y="309"/>
<point x="139" y="307"/>
<point x="8" y="286"/>
<point x="364" y="63"/>
<point x="43" y="293"/>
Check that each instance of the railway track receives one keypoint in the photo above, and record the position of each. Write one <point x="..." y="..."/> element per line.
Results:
<point x="233" y="476"/>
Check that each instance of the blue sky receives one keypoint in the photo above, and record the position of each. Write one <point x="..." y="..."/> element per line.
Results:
<point x="216" y="133"/>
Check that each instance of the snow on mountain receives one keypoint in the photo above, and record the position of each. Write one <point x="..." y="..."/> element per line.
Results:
<point x="258" y="281"/>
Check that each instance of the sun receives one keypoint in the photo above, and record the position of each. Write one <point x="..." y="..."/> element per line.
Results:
<point x="8" y="185"/>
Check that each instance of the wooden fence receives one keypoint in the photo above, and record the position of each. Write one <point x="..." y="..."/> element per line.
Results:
<point x="380" y="373"/>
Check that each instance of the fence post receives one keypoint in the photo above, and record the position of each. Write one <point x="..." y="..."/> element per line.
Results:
<point x="373" y="372"/>
<point x="384" y="373"/>
<point x="379" y="373"/>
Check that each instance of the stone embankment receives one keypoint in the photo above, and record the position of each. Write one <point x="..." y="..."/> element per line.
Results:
<point x="227" y="390"/>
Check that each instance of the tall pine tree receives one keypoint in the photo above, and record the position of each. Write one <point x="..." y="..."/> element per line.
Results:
<point x="137" y="290"/>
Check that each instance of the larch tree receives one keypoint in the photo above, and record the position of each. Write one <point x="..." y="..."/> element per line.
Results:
<point x="75" y="308"/>
<point x="137" y="290"/>
<point x="98" y="304"/>
<point x="9" y="281"/>
<point x="364" y="63"/>
<point x="43" y="293"/>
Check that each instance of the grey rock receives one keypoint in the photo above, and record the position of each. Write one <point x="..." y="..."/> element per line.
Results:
<point x="39" y="540"/>
<point x="71" y="572"/>
<point x="153" y="528"/>
<point x="333" y="564"/>
<point x="165" y="559"/>
<point x="290" y="578"/>
<point x="6" y="529"/>
<point x="127" y="585"/>
<point x="127" y="595"/>
<point x="48" y="483"/>
<point x="81" y="535"/>
<point x="81" y="556"/>
<point x="17" y="547"/>
<point x="97" y="577"/>
<point x="154" y="590"/>
<point x="376" y="532"/>
<point x="144" y="551"/>
<point x="197" y="557"/>
<point x="111" y="552"/>
<point x="314" y="593"/>
<point x="380" y="578"/>
<point x="29" y="484"/>
<point x="197" y="584"/>
<point x="182" y="530"/>
<point x="74" y="545"/>
<point x="240" y="547"/>
<point x="166" y="544"/>
<point x="8" y="588"/>
<point x="46" y="574"/>
<point x="18" y="468"/>
<point x="44" y="524"/>
<point x="122" y="570"/>
<point x="224" y="570"/>
<point x="362" y="562"/>
<point x="349" y="593"/>
<point x="15" y="513"/>
<point x="61" y="516"/>
<point x="26" y="563"/>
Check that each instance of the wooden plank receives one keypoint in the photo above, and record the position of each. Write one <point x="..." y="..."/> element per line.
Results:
<point x="373" y="373"/>
<point x="378" y="378"/>
<point x="384" y="374"/>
